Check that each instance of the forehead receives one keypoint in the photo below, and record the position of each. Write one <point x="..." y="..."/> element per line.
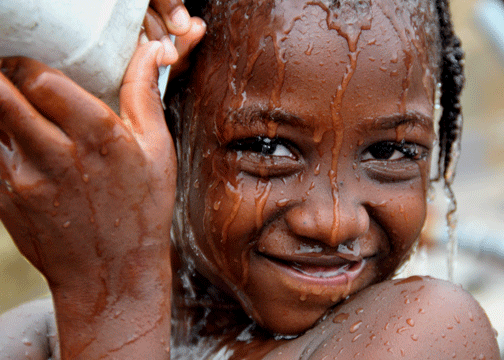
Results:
<point x="319" y="57"/>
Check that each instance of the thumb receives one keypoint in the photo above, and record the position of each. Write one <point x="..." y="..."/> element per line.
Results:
<point x="140" y="104"/>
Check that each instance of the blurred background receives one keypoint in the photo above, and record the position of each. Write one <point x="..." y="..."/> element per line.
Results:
<point x="479" y="183"/>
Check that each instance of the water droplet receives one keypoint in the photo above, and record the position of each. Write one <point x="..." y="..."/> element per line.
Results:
<point x="66" y="225"/>
<point x="282" y="203"/>
<point x="196" y="184"/>
<point x="355" y="327"/>
<point x="414" y="337"/>
<point x="27" y="342"/>
<point x="356" y="337"/>
<point x="359" y="311"/>
<point x="340" y="318"/>
<point x="117" y="222"/>
<point x="407" y="301"/>
<point x="482" y="357"/>
<point x="456" y="319"/>
<point x="471" y="317"/>
<point x="85" y="178"/>
<point x="421" y="311"/>
<point x="403" y="354"/>
<point x="317" y="170"/>
<point x="103" y="151"/>
<point x="216" y="205"/>
<point x="56" y="203"/>
<point x="303" y="297"/>
<point x="310" y="49"/>
<point x="402" y="329"/>
<point x="454" y="355"/>
<point x="410" y="322"/>
<point x="495" y="332"/>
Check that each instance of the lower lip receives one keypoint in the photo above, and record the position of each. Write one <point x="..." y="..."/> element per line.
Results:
<point x="343" y="276"/>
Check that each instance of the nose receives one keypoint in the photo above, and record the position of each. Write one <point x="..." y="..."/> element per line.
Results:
<point x="332" y="220"/>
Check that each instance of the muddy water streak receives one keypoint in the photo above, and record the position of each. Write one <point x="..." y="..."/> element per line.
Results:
<point x="351" y="30"/>
<point x="263" y="191"/>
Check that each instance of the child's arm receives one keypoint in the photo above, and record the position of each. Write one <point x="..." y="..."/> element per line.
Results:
<point x="87" y="197"/>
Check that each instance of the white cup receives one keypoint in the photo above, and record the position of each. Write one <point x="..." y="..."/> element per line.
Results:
<point x="91" y="41"/>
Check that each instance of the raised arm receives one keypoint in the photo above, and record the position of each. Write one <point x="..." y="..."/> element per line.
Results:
<point x="88" y="196"/>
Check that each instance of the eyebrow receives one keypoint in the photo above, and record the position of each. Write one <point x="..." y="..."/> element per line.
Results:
<point x="249" y="115"/>
<point x="412" y="118"/>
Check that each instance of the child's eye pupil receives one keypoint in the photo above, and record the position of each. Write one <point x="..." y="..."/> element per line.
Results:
<point x="259" y="144"/>
<point x="268" y="146"/>
<point x="382" y="151"/>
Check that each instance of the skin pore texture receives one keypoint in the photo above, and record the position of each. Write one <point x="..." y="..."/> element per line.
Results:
<point x="303" y="172"/>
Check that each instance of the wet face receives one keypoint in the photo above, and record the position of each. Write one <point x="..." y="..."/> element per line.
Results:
<point x="311" y="143"/>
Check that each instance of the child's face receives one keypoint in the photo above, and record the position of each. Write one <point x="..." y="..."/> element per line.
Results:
<point x="310" y="182"/>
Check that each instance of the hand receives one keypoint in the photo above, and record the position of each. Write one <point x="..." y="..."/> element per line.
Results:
<point x="87" y="196"/>
<point x="170" y="17"/>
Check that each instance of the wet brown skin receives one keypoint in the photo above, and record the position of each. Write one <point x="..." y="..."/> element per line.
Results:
<point x="111" y="280"/>
<point x="258" y="218"/>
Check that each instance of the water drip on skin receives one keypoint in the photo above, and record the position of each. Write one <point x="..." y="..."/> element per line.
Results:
<point x="355" y="327"/>
<point x="353" y="248"/>
<point x="341" y="318"/>
<point x="393" y="16"/>
<point x="263" y="191"/>
<point x="352" y="19"/>
<point x="283" y="202"/>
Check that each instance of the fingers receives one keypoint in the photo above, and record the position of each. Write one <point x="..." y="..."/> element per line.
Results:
<point x="174" y="15"/>
<point x="57" y="98"/>
<point x="186" y="43"/>
<point x="140" y="103"/>
<point x="21" y="125"/>
<point x="154" y="26"/>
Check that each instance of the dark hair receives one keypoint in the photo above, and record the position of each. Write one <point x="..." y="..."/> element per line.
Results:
<point x="450" y="75"/>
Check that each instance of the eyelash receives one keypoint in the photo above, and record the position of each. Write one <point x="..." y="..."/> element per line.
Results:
<point x="385" y="151"/>
<point x="264" y="146"/>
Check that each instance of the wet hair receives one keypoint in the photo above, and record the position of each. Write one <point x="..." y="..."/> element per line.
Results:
<point x="449" y="57"/>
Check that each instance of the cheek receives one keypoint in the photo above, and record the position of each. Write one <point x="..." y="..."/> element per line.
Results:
<point x="403" y="215"/>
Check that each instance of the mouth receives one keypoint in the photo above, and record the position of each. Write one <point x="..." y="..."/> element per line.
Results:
<point x="330" y="269"/>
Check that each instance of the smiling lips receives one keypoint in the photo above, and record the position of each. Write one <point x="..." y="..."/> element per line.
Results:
<point x="321" y="267"/>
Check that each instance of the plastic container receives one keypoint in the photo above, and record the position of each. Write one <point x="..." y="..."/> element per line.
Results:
<point x="91" y="41"/>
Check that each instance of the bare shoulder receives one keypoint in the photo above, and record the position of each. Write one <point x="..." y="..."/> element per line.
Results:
<point x="29" y="332"/>
<point x="413" y="318"/>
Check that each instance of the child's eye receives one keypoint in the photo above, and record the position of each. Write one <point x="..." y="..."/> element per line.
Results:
<point x="389" y="161"/>
<point x="263" y="146"/>
<point x="265" y="157"/>
<point x="389" y="150"/>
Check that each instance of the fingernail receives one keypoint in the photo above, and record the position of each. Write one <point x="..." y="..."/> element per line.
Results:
<point x="170" y="53"/>
<point x="143" y="39"/>
<point x="160" y="53"/>
<point x="180" y="18"/>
